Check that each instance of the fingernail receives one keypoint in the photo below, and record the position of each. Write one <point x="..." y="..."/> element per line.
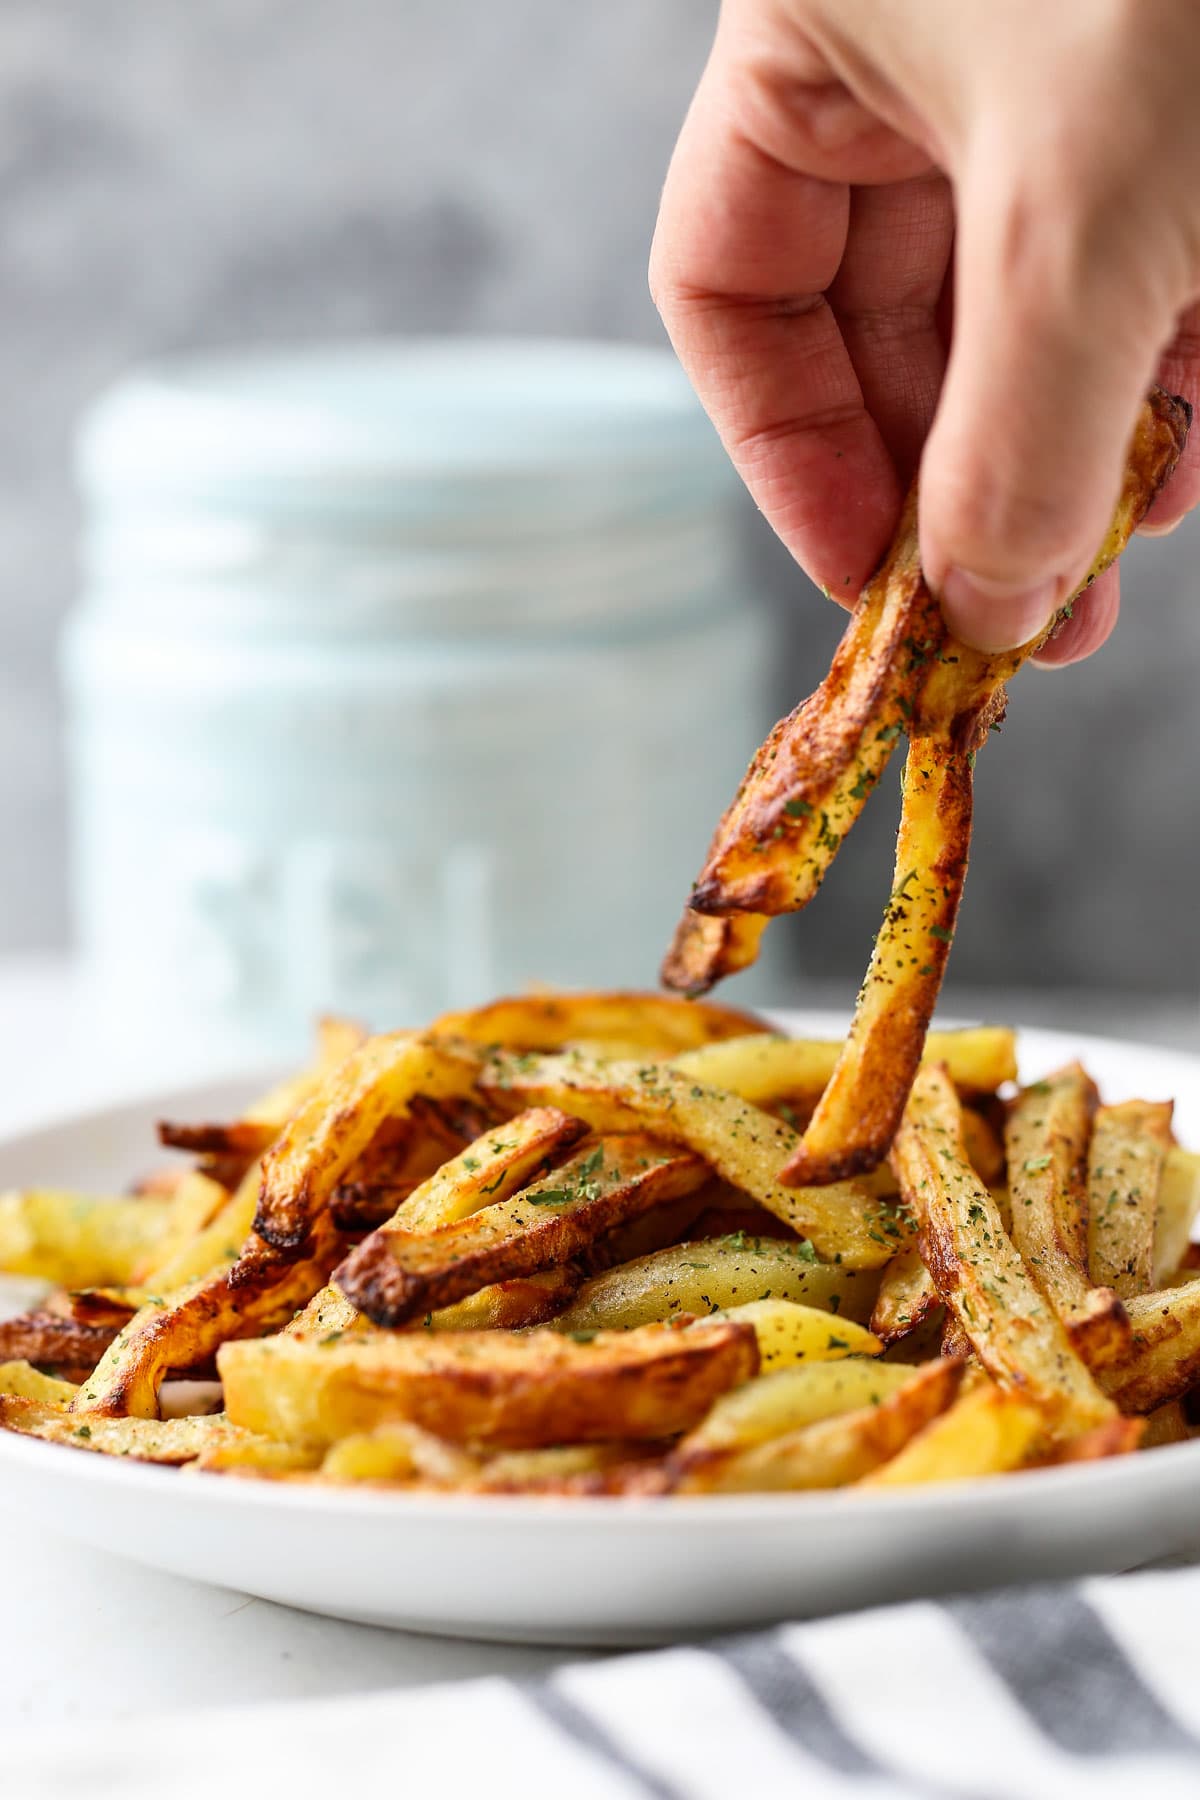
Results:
<point x="1149" y="529"/>
<point x="995" y="615"/>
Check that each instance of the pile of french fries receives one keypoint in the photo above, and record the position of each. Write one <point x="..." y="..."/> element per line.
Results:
<point x="543" y="1247"/>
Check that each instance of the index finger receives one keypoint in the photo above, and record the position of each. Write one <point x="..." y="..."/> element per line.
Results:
<point x="744" y="251"/>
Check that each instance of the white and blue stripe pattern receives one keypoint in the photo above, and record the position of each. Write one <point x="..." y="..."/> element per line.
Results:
<point x="1084" y="1692"/>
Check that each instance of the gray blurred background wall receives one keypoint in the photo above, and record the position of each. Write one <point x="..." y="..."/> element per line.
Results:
<point x="177" y="175"/>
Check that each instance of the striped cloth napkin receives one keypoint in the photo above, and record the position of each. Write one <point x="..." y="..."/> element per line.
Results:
<point x="1090" y="1690"/>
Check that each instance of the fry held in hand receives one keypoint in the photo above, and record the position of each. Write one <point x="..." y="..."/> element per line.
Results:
<point x="897" y="670"/>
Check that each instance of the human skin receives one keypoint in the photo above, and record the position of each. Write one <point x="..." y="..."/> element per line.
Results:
<point x="945" y="234"/>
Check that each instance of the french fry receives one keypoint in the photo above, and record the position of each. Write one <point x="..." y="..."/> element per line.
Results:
<point x="78" y="1240"/>
<point x="1165" y="1359"/>
<point x="1047" y="1135"/>
<point x="1178" y="1204"/>
<point x="704" y="950"/>
<point x="394" y="1276"/>
<point x="259" y="1292"/>
<point x="907" y="1297"/>
<point x="765" y="1069"/>
<point x="44" y="1337"/>
<point x="833" y="1453"/>
<point x="789" y="1399"/>
<point x="1125" y="1167"/>
<point x="21" y="1381"/>
<point x="703" y="1275"/>
<point x="197" y="1201"/>
<point x="398" y="1452"/>
<point x="658" y="1024"/>
<point x="977" y="1270"/>
<point x="143" y="1440"/>
<point x="493" y="1167"/>
<point x="338" y="1121"/>
<point x="985" y="1432"/>
<point x="514" y="1390"/>
<point x="857" y="1115"/>
<point x="790" y="1333"/>
<point x="744" y="1145"/>
<point x="984" y="1148"/>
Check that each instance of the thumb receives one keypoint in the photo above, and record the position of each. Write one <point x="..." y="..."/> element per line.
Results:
<point x="1057" y="333"/>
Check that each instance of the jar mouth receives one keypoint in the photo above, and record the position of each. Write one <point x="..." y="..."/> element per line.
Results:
<point x="371" y="423"/>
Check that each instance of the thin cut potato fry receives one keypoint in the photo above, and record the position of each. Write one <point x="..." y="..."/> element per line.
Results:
<point x="143" y="1440"/>
<point x="763" y="1069"/>
<point x="1125" y="1167"/>
<point x="259" y="1292"/>
<point x="907" y="1297"/>
<point x="789" y="1399"/>
<point x="833" y="1453"/>
<point x="46" y="1337"/>
<point x="78" y="1240"/>
<point x="491" y="1168"/>
<point x="789" y="1333"/>
<point x="394" y="1277"/>
<point x="985" y="1151"/>
<point x="1046" y="1138"/>
<point x="657" y="1024"/>
<point x="1178" y="1205"/>
<point x="986" y="1432"/>
<point x="338" y="1121"/>
<point x="398" y="1452"/>
<point x="977" y="1270"/>
<point x="709" y="1273"/>
<point x="196" y="1202"/>
<point x="22" y="1381"/>
<point x="857" y="1115"/>
<point x="704" y="950"/>
<point x="897" y="668"/>
<point x="744" y="1145"/>
<point x="516" y="1390"/>
<point x="1165" y="1359"/>
<point x="217" y="1246"/>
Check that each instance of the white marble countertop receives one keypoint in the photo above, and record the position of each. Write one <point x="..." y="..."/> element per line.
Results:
<point x="88" y="1636"/>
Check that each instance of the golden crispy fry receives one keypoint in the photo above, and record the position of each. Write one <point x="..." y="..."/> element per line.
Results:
<point x="857" y="1115"/>
<point x="78" y="1240"/>
<point x="790" y="1333"/>
<point x="144" y="1440"/>
<point x="21" y="1381"/>
<point x="789" y="1399"/>
<point x="656" y="1023"/>
<point x="705" y="1275"/>
<point x="907" y="1297"/>
<point x="245" y="1453"/>
<point x="1116" y="1438"/>
<point x="1049" y="1127"/>
<point x="398" y="1452"/>
<point x="985" y="1432"/>
<point x="519" y="1391"/>
<point x="766" y="1069"/>
<point x="494" y="1167"/>
<point x="1178" y="1205"/>
<point x="810" y="780"/>
<point x="1125" y="1166"/>
<point x="197" y="1201"/>
<point x="976" y="1268"/>
<point x="896" y="665"/>
<point x="338" y="1121"/>
<point x="829" y="1454"/>
<point x="704" y="950"/>
<point x="511" y="1305"/>
<point x="743" y="1145"/>
<point x="259" y="1292"/>
<point x="50" y="1338"/>
<point x="394" y="1276"/>
<point x="1165" y="1359"/>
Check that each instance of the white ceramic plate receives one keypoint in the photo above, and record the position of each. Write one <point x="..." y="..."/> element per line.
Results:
<point x="600" y="1571"/>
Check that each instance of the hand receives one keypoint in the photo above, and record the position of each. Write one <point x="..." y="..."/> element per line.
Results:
<point x="848" y="165"/>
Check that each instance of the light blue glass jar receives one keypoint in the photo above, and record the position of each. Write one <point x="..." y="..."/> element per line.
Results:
<point x="403" y="674"/>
